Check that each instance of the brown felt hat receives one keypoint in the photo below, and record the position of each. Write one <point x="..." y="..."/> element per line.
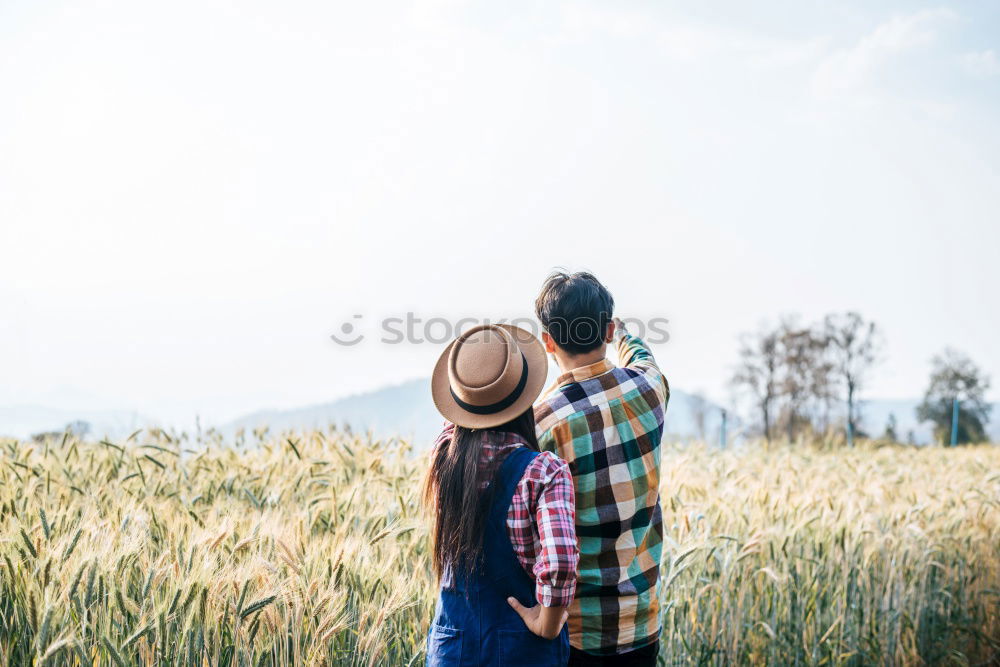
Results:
<point x="488" y="375"/>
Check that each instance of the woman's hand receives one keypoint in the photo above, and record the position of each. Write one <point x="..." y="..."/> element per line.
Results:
<point x="545" y="622"/>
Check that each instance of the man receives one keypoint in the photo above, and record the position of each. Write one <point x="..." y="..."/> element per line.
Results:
<point x="606" y="422"/>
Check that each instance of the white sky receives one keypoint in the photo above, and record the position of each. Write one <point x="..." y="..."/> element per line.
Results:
<point x="195" y="195"/>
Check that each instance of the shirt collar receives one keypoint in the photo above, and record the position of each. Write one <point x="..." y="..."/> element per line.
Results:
<point x="503" y="439"/>
<point x="584" y="373"/>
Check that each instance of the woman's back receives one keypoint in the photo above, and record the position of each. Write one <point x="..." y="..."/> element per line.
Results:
<point x="474" y="624"/>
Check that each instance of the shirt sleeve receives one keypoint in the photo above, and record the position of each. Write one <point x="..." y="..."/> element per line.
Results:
<point x="557" y="440"/>
<point x="550" y="490"/>
<point x="633" y="353"/>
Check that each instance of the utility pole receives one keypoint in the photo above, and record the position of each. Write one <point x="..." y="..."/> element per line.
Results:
<point x="954" y="422"/>
<point x="722" y="431"/>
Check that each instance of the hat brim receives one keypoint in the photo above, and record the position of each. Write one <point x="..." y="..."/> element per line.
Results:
<point x="538" y="369"/>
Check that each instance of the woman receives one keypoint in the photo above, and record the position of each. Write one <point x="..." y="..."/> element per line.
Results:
<point x="504" y="539"/>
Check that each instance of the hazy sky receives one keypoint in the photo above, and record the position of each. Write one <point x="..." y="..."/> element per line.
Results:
<point x="195" y="195"/>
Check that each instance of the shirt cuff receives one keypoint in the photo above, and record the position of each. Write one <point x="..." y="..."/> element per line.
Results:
<point x="555" y="596"/>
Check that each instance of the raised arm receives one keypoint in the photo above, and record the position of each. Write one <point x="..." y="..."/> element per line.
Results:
<point x="633" y="353"/>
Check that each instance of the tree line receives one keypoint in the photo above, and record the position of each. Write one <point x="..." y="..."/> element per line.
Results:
<point x="809" y="378"/>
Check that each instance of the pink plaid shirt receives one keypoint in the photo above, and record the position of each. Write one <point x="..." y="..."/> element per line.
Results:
<point x="541" y="521"/>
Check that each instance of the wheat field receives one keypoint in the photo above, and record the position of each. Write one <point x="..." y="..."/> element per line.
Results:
<point x="312" y="548"/>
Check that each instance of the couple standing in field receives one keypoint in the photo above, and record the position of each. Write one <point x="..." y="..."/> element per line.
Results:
<point x="547" y="524"/>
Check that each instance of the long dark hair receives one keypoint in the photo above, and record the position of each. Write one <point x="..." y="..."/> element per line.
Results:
<point x="454" y="491"/>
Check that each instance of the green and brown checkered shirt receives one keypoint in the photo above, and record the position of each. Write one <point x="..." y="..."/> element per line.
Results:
<point x="607" y="423"/>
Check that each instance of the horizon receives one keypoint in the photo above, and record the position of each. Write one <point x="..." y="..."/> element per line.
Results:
<point x="411" y="423"/>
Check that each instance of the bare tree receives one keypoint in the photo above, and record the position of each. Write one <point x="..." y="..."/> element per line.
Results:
<point x="854" y="346"/>
<point x="795" y="372"/>
<point x="758" y="373"/>
<point x="806" y="379"/>
<point x="795" y="350"/>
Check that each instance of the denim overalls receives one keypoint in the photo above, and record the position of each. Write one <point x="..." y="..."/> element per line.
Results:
<point x="474" y="624"/>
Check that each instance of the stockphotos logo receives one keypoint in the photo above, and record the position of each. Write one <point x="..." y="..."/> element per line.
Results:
<point x="411" y="329"/>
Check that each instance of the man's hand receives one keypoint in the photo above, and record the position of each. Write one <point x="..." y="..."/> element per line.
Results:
<point x="619" y="328"/>
<point x="546" y="622"/>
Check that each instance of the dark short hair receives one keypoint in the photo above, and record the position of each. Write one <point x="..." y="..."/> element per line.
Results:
<point x="575" y="309"/>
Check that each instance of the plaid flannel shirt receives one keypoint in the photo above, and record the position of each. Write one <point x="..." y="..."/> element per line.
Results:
<point x="607" y="423"/>
<point x="540" y="520"/>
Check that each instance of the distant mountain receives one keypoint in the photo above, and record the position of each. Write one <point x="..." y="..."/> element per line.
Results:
<point x="405" y="410"/>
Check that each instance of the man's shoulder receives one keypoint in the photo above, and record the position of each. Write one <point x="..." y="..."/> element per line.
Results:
<point x="562" y="404"/>
<point x="565" y="402"/>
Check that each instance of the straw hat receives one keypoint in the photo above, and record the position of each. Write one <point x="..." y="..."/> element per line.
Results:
<point x="488" y="375"/>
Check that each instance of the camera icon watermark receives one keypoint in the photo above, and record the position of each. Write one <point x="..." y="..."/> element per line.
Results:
<point x="348" y="333"/>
